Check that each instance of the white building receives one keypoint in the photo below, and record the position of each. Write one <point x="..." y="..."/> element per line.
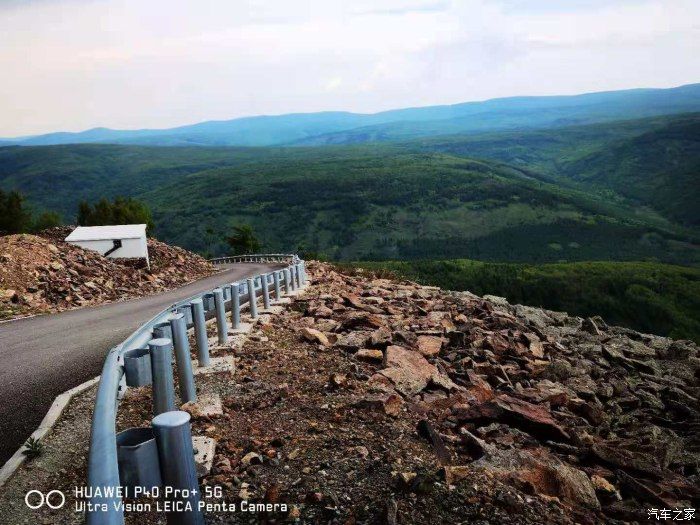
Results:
<point x="123" y="241"/>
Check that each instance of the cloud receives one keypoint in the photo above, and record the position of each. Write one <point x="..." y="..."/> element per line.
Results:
<point x="76" y="64"/>
<point x="402" y="8"/>
<point x="541" y="6"/>
<point x="333" y="83"/>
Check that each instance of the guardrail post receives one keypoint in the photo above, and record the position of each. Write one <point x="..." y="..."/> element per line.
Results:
<point x="221" y="326"/>
<point x="162" y="331"/>
<point x="276" y="279"/>
<point x="297" y="275"/>
<point x="200" y="331"/>
<point x="265" y="291"/>
<point x="292" y="278"/>
<point x="188" y="392"/>
<point x="235" y="306"/>
<point x="285" y="275"/>
<point x="174" y="439"/>
<point x="252" y="300"/>
<point x="162" y="369"/>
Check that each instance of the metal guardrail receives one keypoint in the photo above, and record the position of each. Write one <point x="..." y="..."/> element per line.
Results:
<point x="257" y="257"/>
<point x="149" y="351"/>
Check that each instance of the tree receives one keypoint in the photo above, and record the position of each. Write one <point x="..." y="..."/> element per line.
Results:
<point x="244" y="240"/>
<point x="47" y="219"/>
<point x="210" y="239"/>
<point x="84" y="213"/>
<point x="14" y="215"/>
<point x="124" y="210"/>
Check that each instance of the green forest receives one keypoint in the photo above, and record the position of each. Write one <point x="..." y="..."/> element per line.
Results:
<point x="550" y="202"/>
<point x="440" y="198"/>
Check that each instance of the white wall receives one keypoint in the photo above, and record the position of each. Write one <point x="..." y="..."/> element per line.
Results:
<point x="131" y="248"/>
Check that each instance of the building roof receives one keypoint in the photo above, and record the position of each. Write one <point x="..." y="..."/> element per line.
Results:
<point x="100" y="233"/>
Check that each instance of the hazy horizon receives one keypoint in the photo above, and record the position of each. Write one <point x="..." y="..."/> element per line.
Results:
<point x="332" y="111"/>
<point x="134" y="65"/>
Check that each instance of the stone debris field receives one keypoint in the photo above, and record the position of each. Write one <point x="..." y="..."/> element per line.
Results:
<point x="43" y="274"/>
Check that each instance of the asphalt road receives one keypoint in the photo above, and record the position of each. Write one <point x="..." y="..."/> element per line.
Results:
<point x="42" y="357"/>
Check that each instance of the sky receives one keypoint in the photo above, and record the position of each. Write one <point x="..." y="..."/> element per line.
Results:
<point x="70" y="65"/>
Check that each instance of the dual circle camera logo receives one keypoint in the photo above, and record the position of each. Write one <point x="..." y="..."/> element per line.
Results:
<point x="54" y="499"/>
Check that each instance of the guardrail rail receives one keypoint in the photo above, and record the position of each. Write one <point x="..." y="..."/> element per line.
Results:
<point x="148" y="352"/>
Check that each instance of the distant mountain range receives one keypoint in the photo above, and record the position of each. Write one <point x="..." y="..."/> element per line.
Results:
<point x="324" y="128"/>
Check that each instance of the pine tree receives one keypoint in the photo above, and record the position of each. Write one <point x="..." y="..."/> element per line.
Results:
<point x="244" y="240"/>
<point x="14" y="216"/>
<point x="121" y="211"/>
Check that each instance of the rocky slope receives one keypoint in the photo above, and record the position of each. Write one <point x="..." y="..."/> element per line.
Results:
<point x="574" y="419"/>
<point x="42" y="273"/>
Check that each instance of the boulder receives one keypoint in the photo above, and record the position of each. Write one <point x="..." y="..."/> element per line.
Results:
<point x="388" y="404"/>
<point x="380" y="338"/>
<point x="536" y="419"/>
<point x="314" y="336"/>
<point x="428" y="345"/>
<point x="355" y="319"/>
<point x="409" y="371"/>
<point x="369" y="355"/>
<point x="353" y="340"/>
<point x="589" y="325"/>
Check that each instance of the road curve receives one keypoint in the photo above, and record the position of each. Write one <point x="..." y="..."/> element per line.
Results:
<point x="41" y="357"/>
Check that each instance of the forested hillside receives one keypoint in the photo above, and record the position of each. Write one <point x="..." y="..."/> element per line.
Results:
<point x="655" y="162"/>
<point x="366" y="202"/>
<point x="618" y="191"/>
<point x="660" y="168"/>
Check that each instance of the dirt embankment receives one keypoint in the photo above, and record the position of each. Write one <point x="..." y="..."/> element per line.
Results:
<point x="42" y="273"/>
<point x="370" y="400"/>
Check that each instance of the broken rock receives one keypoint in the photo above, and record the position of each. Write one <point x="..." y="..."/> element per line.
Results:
<point x="352" y="340"/>
<point x="388" y="404"/>
<point x="429" y="345"/>
<point x="408" y="371"/>
<point x="372" y="356"/>
<point x="314" y="336"/>
<point x="535" y="419"/>
<point x="251" y="458"/>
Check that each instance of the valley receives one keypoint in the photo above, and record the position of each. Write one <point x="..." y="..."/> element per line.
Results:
<point x="520" y="213"/>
